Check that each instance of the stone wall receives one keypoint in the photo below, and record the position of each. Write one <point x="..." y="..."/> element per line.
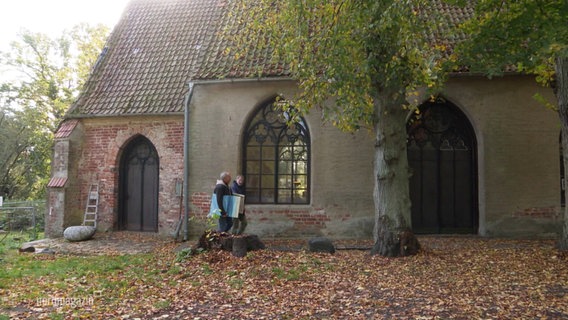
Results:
<point x="341" y="203"/>
<point x="517" y="150"/>
<point x="518" y="154"/>
<point x="518" y="162"/>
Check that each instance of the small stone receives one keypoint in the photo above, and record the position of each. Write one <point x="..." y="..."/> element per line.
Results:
<point x="79" y="233"/>
<point x="321" y="244"/>
<point x="254" y="243"/>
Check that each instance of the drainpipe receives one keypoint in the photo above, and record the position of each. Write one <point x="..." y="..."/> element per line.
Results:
<point x="186" y="161"/>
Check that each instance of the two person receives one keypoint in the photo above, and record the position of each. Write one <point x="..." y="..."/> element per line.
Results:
<point x="222" y="189"/>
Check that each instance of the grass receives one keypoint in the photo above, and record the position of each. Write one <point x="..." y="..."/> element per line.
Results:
<point x="10" y="242"/>
<point x="65" y="275"/>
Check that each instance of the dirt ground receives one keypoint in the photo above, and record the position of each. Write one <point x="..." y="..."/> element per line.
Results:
<point x="103" y="243"/>
<point x="126" y="242"/>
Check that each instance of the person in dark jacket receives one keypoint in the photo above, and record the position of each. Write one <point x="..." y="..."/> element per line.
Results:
<point x="222" y="189"/>
<point x="239" y="224"/>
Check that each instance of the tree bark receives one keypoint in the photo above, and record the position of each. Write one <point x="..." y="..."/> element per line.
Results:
<point x="561" y="91"/>
<point x="392" y="232"/>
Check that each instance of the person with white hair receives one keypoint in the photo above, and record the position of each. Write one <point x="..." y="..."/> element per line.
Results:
<point x="222" y="189"/>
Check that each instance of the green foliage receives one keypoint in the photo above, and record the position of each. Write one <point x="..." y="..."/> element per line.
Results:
<point x="210" y="224"/>
<point x="522" y="36"/>
<point x="23" y="155"/>
<point x="41" y="79"/>
<point x="186" y="253"/>
<point x="344" y="54"/>
<point x="183" y="254"/>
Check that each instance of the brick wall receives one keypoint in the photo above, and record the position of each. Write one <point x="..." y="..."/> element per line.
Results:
<point x="200" y="203"/>
<point x="540" y="212"/>
<point x="269" y="220"/>
<point x="104" y="141"/>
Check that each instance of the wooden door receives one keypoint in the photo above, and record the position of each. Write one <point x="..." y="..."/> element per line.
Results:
<point x="442" y="158"/>
<point x="139" y="187"/>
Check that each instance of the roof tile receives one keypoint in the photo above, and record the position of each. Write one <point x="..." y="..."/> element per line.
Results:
<point x="158" y="46"/>
<point x="66" y="128"/>
<point x="57" y="182"/>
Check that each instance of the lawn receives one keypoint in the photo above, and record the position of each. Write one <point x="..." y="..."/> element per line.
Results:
<point x="452" y="278"/>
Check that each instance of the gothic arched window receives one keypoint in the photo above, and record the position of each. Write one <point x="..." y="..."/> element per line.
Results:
<point x="276" y="157"/>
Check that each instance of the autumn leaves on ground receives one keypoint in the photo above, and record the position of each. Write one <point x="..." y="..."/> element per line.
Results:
<point x="451" y="278"/>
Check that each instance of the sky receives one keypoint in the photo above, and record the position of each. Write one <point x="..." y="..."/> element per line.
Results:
<point x="54" y="16"/>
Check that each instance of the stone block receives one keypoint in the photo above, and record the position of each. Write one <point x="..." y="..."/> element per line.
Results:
<point x="79" y="233"/>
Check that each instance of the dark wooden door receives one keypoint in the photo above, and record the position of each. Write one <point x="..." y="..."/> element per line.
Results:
<point x="442" y="159"/>
<point x="139" y="187"/>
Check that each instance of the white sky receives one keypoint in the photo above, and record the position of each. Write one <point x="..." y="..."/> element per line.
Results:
<point x="54" y="16"/>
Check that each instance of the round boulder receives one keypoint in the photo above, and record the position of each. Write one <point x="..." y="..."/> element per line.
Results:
<point x="79" y="233"/>
<point x="321" y="244"/>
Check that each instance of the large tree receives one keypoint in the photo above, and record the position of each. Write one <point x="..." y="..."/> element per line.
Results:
<point x="41" y="78"/>
<point x="528" y="36"/>
<point x="363" y="63"/>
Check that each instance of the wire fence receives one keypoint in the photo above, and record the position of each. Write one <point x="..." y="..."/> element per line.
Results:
<point x="23" y="217"/>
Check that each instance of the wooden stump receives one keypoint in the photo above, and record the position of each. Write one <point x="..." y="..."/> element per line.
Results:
<point x="239" y="246"/>
<point x="395" y="243"/>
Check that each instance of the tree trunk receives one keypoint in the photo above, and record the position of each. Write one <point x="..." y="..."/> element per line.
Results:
<point x="392" y="233"/>
<point x="561" y="90"/>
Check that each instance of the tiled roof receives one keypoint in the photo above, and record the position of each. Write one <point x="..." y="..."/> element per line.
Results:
<point x="57" y="182"/>
<point x="451" y="16"/>
<point x="158" y="46"/>
<point x="149" y="57"/>
<point x="66" y="128"/>
<point x="255" y="62"/>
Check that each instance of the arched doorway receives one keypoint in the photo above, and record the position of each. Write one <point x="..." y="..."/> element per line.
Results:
<point x="138" y="191"/>
<point x="442" y="155"/>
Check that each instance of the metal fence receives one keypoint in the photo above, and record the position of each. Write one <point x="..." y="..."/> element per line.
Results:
<point x="22" y="216"/>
